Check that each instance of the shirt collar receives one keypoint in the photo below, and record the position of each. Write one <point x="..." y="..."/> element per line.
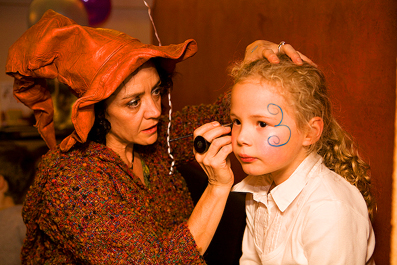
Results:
<point x="254" y="184"/>
<point x="284" y="193"/>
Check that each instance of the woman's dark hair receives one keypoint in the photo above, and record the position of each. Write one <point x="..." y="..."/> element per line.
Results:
<point x="102" y="126"/>
<point x="17" y="166"/>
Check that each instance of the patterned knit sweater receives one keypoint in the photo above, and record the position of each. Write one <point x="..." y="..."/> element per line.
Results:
<point x="87" y="207"/>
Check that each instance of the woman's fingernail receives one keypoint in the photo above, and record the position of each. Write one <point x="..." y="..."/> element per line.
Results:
<point x="215" y="123"/>
<point x="275" y="58"/>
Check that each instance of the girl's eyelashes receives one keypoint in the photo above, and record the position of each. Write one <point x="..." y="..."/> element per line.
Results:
<point x="236" y="122"/>
<point x="262" y="124"/>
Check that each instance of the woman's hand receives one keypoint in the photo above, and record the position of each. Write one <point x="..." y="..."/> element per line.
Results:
<point x="209" y="209"/>
<point x="215" y="161"/>
<point x="269" y="50"/>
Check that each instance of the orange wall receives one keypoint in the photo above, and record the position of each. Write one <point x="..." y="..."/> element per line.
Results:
<point x="353" y="42"/>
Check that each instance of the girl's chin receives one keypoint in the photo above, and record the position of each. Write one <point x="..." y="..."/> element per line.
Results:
<point x="252" y="171"/>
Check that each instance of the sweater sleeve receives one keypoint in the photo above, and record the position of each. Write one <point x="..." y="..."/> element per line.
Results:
<point x="84" y="212"/>
<point x="192" y="117"/>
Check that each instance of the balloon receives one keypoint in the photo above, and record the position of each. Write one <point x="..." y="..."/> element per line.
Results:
<point x="98" y="10"/>
<point x="73" y="9"/>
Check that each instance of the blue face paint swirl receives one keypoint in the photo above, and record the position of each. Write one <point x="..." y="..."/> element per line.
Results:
<point x="275" y="139"/>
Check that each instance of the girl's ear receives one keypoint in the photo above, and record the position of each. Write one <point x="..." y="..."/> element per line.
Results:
<point x="315" y="129"/>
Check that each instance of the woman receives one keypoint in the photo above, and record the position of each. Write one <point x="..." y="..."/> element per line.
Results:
<point x="104" y="195"/>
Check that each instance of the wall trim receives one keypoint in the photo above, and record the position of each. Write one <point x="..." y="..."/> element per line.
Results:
<point x="133" y="4"/>
<point x="393" y="239"/>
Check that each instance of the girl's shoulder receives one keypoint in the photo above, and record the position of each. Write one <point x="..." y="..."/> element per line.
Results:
<point x="329" y="187"/>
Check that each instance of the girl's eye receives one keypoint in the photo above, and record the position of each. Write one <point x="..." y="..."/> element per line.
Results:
<point x="133" y="103"/>
<point x="236" y="122"/>
<point x="262" y="124"/>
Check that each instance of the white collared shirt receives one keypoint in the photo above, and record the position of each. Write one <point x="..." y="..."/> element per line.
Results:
<point x="314" y="217"/>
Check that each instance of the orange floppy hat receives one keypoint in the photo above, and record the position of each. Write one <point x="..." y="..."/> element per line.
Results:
<point x="92" y="62"/>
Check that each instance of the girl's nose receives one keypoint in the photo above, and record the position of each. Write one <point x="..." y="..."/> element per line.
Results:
<point x="243" y="136"/>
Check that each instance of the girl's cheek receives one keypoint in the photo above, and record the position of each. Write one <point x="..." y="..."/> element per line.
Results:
<point x="272" y="143"/>
<point x="234" y="143"/>
<point x="278" y="136"/>
<point x="264" y="149"/>
<point x="263" y="145"/>
<point x="234" y="138"/>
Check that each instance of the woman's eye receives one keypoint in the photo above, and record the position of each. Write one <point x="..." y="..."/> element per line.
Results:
<point x="133" y="103"/>
<point x="157" y="91"/>
<point x="262" y="124"/>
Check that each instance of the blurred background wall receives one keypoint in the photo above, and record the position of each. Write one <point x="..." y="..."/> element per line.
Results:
<point x="353" y="41"/>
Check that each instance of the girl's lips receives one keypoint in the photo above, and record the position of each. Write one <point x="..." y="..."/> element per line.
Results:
<point x="150" y="130"/>
<point x="247" y="159"/>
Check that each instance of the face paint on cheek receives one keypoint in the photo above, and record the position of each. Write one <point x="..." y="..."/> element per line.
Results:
<point x="282" y="132"/>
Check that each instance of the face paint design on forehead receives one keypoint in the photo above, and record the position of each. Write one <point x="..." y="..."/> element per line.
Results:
<point x="275" y="140"/>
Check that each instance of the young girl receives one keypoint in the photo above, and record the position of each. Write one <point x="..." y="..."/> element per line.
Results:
<point x="308" y="191"/>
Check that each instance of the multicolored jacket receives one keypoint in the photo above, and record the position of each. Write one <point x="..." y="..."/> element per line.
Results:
<point x="87" y="207"/>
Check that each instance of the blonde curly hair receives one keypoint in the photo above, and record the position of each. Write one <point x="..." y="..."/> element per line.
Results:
<point x="305" y="89"/>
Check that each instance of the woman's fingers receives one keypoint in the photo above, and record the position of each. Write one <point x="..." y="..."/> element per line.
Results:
<point x="211" y="131"/>
<point x="291" y="52"/>
<point x="205" y="128"/>
<point x="306" y="59"/>
<point x="270" y="55"/>
<point x="215" y="161"/>
<point x="218" y="151"/>
<point x="259" y="49"/>
<point x="265" y="49"/>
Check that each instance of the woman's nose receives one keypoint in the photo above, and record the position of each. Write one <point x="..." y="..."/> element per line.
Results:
<point x="153" y="110"/>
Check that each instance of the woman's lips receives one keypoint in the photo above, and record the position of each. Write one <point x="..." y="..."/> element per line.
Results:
<point x="150" y="130"/>
<point x="247" y="159"/>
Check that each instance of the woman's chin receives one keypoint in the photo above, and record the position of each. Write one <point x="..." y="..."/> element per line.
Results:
<point x="150" y="140"/>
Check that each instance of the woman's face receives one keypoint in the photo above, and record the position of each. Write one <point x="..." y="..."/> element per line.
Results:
<point x="134" y="109"/>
